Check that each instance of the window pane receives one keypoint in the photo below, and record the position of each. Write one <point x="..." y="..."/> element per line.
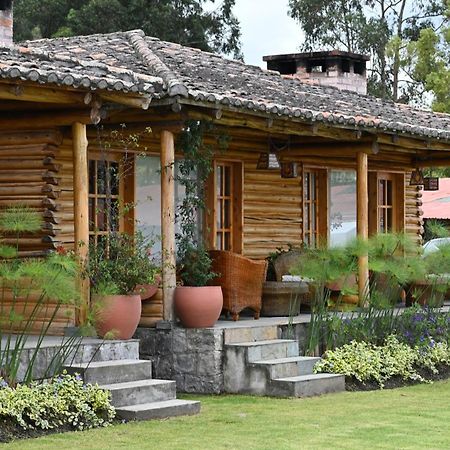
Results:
<point x="92" y="177"/>
<point x="91" y="214"/>
<point x="381" y="192"/>
<point x="389" y="192"/>
<point x="342" y="184"/>
<point x="148" y="198"/>
<point x="219" y="181"/>
<point x="101" y="177"/>
<point x="219" y="222"/>
<point x="227" y="214"/>
<point x="389" y="221"/>
<point x="113" y="178"/>
<point x="227" y="180"/>
<point x="227" y="241"/>
<point x="101" y="214"/>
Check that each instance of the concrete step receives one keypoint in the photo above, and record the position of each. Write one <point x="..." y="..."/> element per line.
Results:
<point x="288" y="367"/>
<point x="108" y="372"/>
<point x="268" y="349"/>
<point x="159" y="410"/>
<point x="104" y="350"/>
<point x="307" y="385"/>
<point x="251" y="334"/>
<point x="143" y="391"/>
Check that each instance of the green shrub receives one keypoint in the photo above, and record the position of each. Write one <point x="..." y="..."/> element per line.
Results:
<point x="64" y="401"/>
<point x="367" y="363"/>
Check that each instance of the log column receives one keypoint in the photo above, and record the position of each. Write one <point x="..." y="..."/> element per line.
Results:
<point x="81" y="209"/>
<point x="362" y="223"/>
<point x="168" y="222"/>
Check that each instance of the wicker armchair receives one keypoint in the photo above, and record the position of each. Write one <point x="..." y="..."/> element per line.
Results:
<point x="241" y="280"/>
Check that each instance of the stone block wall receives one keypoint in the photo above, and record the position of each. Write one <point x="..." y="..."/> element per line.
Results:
<point x="191" y="357"/>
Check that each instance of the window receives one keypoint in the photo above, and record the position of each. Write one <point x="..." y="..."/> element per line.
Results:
<point x="315" y="207"/>
<point x="104" y="197"/>
<point x="224" y="201"/>
<point x="386" y="202"/>
<point x="311" y="208"/>
<point x="385" y="205"/>
<point x="342" y="198"/>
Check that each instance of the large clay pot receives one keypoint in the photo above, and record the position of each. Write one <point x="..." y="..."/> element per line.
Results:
<point x="117" y="315"/>
<point x="198" y="307"/>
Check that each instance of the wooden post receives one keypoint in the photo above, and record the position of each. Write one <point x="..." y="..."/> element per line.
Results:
<point x="81" y="209"/>
<point x="362" y="223"/>
<point x="168" y="222"/>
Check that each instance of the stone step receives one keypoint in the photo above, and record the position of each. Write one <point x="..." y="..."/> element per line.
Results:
<point x="143" y="391"/>
<point x="250" y="334"/>
<point x="159" y="410"/>
<point x="268" y="349"/>
<point x="108" y="372"/>
<point x="288" y="367"/>
<point x="307" y="385"/>
<point x="105" y="350"/>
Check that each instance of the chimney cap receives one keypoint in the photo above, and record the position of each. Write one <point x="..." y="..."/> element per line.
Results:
<point x="317" y="55"/>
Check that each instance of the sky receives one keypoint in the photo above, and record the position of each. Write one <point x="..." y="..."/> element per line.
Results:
<point x="266" y="29"/>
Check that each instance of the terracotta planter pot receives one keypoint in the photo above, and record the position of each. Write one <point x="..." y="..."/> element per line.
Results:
<point x="198" y="307"/>
<point x="147" y="291"/>
<point x="117" y="314"/>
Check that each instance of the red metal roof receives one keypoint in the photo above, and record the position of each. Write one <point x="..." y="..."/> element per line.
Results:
<point x="436" y="204"/>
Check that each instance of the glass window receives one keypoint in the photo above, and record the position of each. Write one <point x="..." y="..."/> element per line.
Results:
<point x="311" y="208"/>
<point x="342" y="198"/>
<point x="148" y="198"/>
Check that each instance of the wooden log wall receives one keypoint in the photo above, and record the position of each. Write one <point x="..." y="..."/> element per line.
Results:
<point x="34" y="173"/>
<point x="413" y="211"/>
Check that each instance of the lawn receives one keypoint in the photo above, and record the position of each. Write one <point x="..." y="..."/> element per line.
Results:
<point x="412" y="417"/>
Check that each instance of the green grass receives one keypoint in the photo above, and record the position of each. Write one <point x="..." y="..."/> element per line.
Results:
<point x="414" y="417"/>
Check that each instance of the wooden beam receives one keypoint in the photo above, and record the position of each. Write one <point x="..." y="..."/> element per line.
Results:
<point x="168" y="222"/>
<point x="362" y="223"/>
<point x="81" y="210"/>
<point x="141" y="102"/>
<point x="39" y="94"/>
<point x="46" y="119"/>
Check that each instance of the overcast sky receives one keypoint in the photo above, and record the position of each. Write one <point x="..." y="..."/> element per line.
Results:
<point x="266" y="29"/>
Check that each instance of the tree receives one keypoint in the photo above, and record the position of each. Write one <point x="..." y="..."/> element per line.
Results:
<point x="428" y="59"/>
<point x="187" y="22"/>
<point x="381" y="28"/>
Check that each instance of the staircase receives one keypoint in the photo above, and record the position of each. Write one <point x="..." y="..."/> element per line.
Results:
<point x="134" y="394"/>
<point x="258" y="362"/>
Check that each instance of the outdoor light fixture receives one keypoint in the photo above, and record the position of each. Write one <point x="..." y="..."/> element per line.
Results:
<point x="268" y="161"/>
<point x="416" y="177"/>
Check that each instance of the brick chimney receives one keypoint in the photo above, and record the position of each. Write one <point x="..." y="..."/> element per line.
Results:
<point x="6" y="22"/>
<point x="343" y="70"/>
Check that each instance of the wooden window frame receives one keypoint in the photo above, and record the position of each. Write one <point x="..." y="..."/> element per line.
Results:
<point x="235" y="199"/>
<point x="321" y="232"/>
<point x="397" y="207"/>
<point x="126" y="192"/>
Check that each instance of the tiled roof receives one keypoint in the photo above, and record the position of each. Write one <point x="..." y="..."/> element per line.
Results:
<point x="131" y="61"/>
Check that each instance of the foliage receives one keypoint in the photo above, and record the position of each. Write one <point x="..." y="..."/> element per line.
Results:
<point x="394" y="262"/>
<point x="187" y="22"/>
<point x="193" y="171"/>
<point x="435" y="228"/>
<point x="371" y="363"/>
<point x="381" y="28"/>
<point x="428" y="59"/>
<point x="418" y="326"/>
<point x="196" y="267"/>
<point x="27" y="285"/>
<point x="120" y="263"/>
<point x="62" y="401"/>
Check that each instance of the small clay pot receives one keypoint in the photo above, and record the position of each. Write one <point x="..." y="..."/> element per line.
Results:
<point x="198" y="307"/>
<point x="117" y="314"/>
<point x="147" y="291"/>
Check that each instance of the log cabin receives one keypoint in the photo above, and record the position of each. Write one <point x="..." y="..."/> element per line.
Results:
<point x="310" y="156"/>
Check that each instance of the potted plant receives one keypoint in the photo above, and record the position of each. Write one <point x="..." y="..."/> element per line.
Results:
<point x="116" y="267"/>
<point x="197" y="305"/>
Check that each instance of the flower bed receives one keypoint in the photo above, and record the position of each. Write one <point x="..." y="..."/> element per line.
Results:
<point x="63" y="403"/>
<point x="394" y="363"/>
